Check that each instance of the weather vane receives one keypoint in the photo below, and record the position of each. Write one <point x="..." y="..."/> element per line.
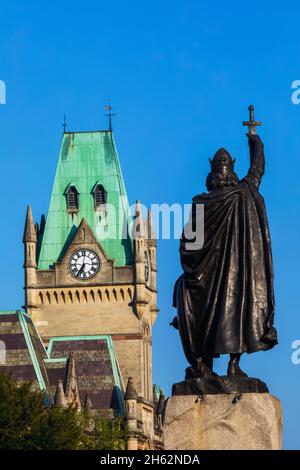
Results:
<point x="109" y="114"/>
<point x="65" y="123"/>
<point x="252" y="124"/>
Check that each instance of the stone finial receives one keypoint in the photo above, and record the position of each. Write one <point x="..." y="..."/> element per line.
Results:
<point x="60" y="399"/>
<point x="151" y="229"/>
<point x="138" y="229"/>
<point x="130" y="393"/>
<point x="29" y="230"/>
<point x="72" y="388"/>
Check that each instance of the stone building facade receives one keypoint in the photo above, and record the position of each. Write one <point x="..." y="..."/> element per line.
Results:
<point x="89" y="280"/>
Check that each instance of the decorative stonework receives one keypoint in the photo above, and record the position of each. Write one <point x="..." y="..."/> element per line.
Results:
<point x="119" y="300"/>
<point x="82" y="295"/>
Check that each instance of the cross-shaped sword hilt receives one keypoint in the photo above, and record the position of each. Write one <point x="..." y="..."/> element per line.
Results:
<point x="252" y="124"/>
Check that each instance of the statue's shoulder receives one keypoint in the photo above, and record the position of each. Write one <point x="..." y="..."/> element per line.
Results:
<point x="200" y="198"/>
<point x="239" y="190"/>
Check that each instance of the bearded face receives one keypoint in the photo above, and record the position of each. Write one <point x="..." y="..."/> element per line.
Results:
<point x="222" y="173"/>
<point x="217" y="180"/>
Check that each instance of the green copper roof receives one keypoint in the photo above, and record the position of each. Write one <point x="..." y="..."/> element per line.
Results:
<point x="87" y="158"/>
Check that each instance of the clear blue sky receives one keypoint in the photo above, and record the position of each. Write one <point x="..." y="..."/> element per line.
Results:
<point x="180" y="75"/>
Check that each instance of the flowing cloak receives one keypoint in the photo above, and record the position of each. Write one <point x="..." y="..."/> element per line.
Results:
<point x="225" y="298"/>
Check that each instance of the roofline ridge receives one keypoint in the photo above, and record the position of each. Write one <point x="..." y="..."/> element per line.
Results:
<point x="107" y="131"/>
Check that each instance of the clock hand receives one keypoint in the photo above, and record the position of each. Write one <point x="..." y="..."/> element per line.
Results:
<point x="81" y="269"/>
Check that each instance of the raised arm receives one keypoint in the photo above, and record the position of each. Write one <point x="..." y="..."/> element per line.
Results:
<point x="257" y="159"/>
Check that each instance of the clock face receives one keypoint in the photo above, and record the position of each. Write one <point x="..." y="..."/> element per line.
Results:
<point x="84" y="264"/>
<point x="146" y="267"/>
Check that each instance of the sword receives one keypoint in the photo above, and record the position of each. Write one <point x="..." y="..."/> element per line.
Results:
<point x="252" y="124"/>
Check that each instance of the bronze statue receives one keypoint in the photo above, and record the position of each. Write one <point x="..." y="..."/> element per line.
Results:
<point x="224" y="298"/>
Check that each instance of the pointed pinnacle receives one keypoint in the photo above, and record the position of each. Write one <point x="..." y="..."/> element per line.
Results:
<point x="29" y="230"/>
<point x="60" y="399"/>
<point x="71" y="376"/>
<point x="138" y="224"/>
<point x="130" y="393"/>
<point x="151" y="229"/>
<point x="72" y="389"/>
<point x="138" y="210"/>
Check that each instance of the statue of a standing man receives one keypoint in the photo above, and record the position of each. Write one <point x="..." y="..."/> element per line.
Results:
<point x="225" y="299"/>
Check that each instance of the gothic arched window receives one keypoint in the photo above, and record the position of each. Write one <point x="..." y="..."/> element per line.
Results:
<point x="99" y="194"/>
<point x="72" y="197"/>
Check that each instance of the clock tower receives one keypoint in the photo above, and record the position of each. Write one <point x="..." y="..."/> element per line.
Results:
<point x="85" y="273"/>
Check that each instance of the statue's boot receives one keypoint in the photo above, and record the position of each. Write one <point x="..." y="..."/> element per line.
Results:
<point x="209" y="361"/>
<point x="199" y="369"/>
<point x="233" y="366"/>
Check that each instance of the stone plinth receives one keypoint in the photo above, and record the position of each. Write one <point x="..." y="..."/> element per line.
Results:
<point x="223" y="422"/>
<point x="219" y="385"/>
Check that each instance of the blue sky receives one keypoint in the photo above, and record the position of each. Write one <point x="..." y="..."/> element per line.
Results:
<point x="180" y="75"/>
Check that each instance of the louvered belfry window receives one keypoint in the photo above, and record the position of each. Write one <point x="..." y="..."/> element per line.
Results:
<point x="99" y="197"/>
<point x="72" y="199"/>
